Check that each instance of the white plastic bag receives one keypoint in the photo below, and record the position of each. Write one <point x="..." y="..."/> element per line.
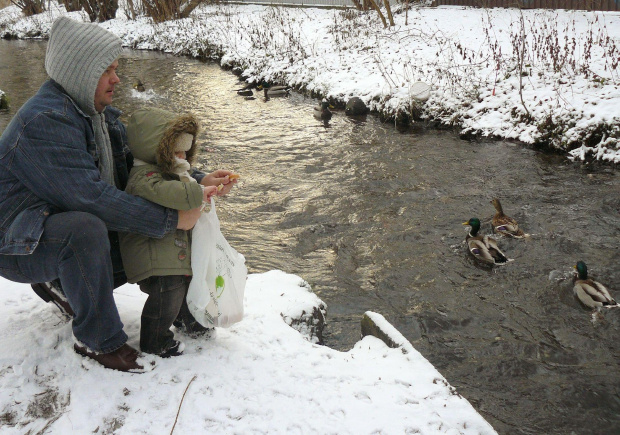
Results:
<point x="215" y="295"/>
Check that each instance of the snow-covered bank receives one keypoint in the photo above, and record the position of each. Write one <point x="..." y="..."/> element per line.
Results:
<point x="559" y="86"/>
<point x="259" y="376"/>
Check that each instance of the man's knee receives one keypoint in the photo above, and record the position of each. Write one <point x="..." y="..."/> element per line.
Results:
<point x="83" y="230"/>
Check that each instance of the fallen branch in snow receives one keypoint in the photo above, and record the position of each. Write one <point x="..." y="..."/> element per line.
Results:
<point x="179" y="410"/>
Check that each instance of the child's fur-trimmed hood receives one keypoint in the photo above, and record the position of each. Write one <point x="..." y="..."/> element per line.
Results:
<point x="152" y="135"/>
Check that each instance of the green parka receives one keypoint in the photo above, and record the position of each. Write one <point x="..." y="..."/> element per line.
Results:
<point x="152" y="134"/>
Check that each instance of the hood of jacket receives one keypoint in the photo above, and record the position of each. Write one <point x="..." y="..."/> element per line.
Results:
<point x="77" y="55"/>
<point x="152" y="135"/>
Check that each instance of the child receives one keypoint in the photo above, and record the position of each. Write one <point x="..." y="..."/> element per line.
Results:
<point x="163" y="145"/>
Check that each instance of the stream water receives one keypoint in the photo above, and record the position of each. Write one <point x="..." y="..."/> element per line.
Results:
<point x="371" y="218"/>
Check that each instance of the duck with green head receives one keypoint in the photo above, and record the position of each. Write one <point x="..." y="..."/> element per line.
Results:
<point x="483" y="248"/>
<point x="139" y="86"/>
<point x="274" y="90"/>
<point x="591" y="293"/>
<point x="322" y="111"/>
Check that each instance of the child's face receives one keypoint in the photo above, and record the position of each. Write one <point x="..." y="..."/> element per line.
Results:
<point x="180" y="154"/>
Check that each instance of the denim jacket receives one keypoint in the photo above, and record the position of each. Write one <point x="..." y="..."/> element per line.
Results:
<point x="49" y="164"/>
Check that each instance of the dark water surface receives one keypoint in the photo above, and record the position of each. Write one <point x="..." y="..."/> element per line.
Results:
<point x="371" y="218"/>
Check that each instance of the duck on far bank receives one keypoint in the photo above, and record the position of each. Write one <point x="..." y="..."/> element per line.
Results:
<point x="275" y="91"/>
<point x="483" y="248"/>
<point x="591" y="293"/>
<point x="4" y="102"/>
<point x="505" y="225"/>
<point x="247" y="90"/>
<point x="322" y="111"/>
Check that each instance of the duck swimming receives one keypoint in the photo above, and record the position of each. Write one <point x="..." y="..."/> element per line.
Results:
<point x="483" y="248"/>
<point x="591" y="293"/>
<point x="138" y="85"/>
<point x="322" y="111"/>
<point x="505" y="225"/>
<point x="274" y="91"/>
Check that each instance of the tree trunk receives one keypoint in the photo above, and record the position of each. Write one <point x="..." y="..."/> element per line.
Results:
<point x="72" y="5"/>
<point x="376" y="8"/>
<point x="358" y="5"/>
<point x="88" y="8"/>
<point x="107" y="10"/>
<point x="30" y="7"/>
<point x="131" y="10"/>
<point x="406" y="12"/>
<point x="388" y="10"/>
<point x="191" y="5"/>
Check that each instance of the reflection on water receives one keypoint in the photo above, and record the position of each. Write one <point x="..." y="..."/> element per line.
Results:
<point x="372" y="219"/>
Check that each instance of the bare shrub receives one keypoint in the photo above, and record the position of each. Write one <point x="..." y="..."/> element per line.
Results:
<point x="165" y="10"/>
<point x="133" y="9"/>
<point x="281" y="38"/>
<point x="543" y="43"/>
<point x="30" y="7"/>
<point x="72" y="5"/>
<point x="100" y="10"/>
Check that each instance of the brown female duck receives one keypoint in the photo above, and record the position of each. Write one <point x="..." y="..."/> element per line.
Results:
<point x="505" y="225"/>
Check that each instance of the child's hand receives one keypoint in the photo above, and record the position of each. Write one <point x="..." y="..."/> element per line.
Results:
<point x="224" y="180"/>
<point x="208" y="192"/>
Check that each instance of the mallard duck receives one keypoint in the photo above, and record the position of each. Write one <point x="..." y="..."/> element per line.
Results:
<point x="505" y="225"/>
<point x="4" y="102"/>
<point x="591" y="293"/>
<point x="138" y="85"/>
<point x="483" y="248"/>
<point x="274" y="91"/>
<point x="247" y="90"/>
<point x="322" y="111"/>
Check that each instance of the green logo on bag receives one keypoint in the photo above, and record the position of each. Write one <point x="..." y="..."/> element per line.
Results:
<point x="219" y="285"/>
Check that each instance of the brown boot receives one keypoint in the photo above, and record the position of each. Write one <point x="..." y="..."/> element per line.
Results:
<point x="123" y="358"/>
<point x="47" y="292"/>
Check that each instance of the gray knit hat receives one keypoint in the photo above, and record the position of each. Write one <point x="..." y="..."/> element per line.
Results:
<point x="77" y="55"/>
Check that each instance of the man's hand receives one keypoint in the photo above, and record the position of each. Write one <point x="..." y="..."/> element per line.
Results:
<point x="220" y="177"/>
<point x="188" y="218"/>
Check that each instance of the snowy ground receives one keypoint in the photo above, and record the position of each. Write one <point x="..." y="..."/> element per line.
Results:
<point x="259" y="376"/>
<point x="563" y="91"/>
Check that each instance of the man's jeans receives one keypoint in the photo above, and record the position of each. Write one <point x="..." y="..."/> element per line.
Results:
<point x="75" y="249"/>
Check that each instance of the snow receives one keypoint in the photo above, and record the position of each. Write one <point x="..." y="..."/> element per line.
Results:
<point x="258" y="376"/>
<point x="394" y="335"/>
<point x="565" y="92"/>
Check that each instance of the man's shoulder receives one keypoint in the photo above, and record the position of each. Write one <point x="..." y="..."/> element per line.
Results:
<point x="50" y="99"/>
